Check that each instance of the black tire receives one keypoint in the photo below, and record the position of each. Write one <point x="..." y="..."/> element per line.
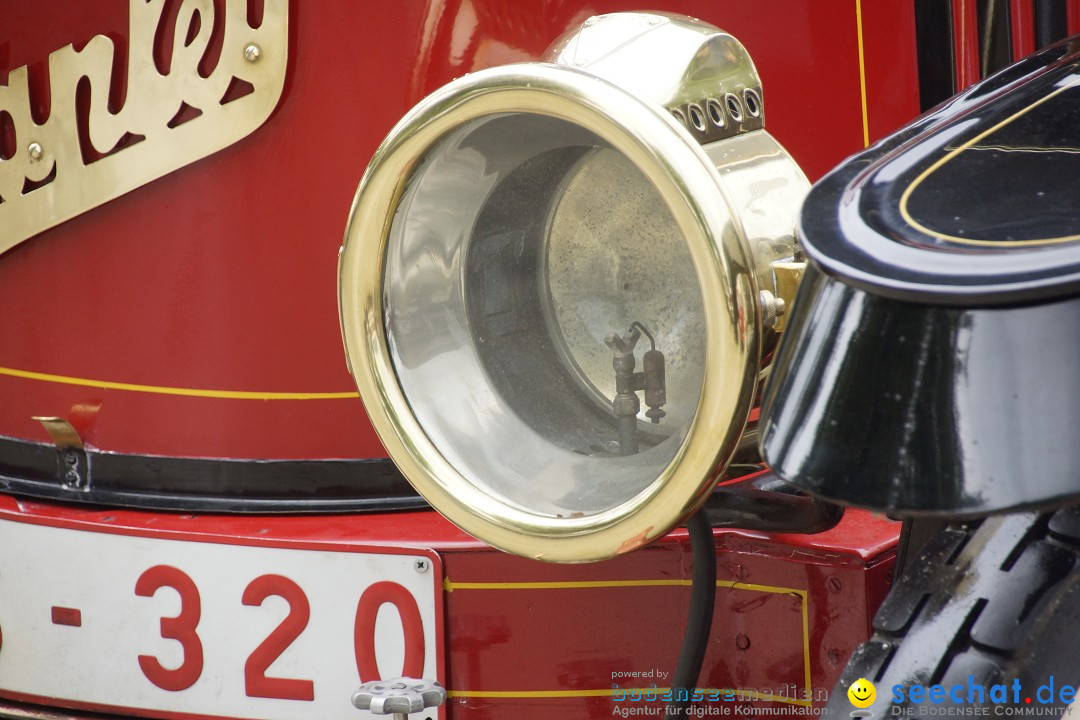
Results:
<point x="995" y="601"/>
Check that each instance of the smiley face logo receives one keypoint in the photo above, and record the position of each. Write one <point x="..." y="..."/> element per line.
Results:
<point x="862" y="693"/>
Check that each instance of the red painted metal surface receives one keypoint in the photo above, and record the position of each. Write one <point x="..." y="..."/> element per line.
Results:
<point x="1022" y="27"/>
<point x="221" y="276"/>
<point x="891" y="70"/>
<point x="525" y="639"/>
<point x="965" y="44"/>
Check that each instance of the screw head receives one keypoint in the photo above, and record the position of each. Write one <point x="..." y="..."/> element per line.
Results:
<point x="742" y="641"/>
<point x="834" y="584"/>
<point x="768" y="308"/>
<point x="35" y="151"/>
<point x="252" y="52"/>
<point x="421" y="565"/>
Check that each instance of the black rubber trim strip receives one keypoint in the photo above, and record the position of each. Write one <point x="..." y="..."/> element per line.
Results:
<point x="208" y="484"/>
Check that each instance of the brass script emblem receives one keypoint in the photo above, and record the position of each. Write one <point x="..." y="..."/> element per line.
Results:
<point x="167" y="120"/>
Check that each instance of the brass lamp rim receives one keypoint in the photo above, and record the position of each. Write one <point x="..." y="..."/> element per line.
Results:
<point x="674" y="162"/>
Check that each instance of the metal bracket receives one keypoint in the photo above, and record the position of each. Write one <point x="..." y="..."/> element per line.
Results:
<point x="766" y="503"/>
<point x="787" y="274"/>
<point x="72" y="461"/>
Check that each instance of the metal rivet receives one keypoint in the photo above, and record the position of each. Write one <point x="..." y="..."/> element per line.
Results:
<point x="252" y="52"/>
<point x="35" y="151"/>
<point x="742" y="641"/>
<point x="421" y="565"/>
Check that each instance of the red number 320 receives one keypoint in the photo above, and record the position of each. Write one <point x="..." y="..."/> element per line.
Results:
<point x="183" y="628"/>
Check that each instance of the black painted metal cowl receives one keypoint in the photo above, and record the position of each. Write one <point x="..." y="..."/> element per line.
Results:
<point x="932" y="361"/>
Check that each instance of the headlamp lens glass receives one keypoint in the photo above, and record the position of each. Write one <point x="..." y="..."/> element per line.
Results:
<point x="542" y="309"/>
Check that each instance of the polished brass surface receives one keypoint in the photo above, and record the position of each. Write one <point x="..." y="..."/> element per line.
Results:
<point x="61" y="432"/>
<point x="50" y="182"/>
<point x="733" y="223"/>
<point x="702" y="75"/>
<point x="761" y="179"/>
<point x="786" y="275"/>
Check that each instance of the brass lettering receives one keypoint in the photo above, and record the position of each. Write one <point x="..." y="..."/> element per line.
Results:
<point x="49" y="157"/>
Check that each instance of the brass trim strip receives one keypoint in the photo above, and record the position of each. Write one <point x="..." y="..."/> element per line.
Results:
<point x="530" y="693"/>
<point x="1025" y="149"/>
<point x="806" y="644"/>
<point x="450" y="586"/>
<point x="187" y="392"/>
<point x="522" y="694"/>
<point x="862" y="75"/>
<point x="905" y="198"/>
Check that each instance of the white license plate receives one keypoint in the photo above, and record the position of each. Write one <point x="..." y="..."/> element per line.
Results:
<point x="167" y="627"/>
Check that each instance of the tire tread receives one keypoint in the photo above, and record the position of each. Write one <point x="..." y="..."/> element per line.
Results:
<point x="979" y="601"/>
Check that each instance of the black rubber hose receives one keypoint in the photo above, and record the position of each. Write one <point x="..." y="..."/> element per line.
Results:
<point x="699" y="621"/>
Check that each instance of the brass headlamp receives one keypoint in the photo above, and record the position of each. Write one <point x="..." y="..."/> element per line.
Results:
<point x="538" y="248"/>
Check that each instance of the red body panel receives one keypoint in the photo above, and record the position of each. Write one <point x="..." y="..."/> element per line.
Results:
<point x="221" y="276"/>
<point x="136" y="320"/>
